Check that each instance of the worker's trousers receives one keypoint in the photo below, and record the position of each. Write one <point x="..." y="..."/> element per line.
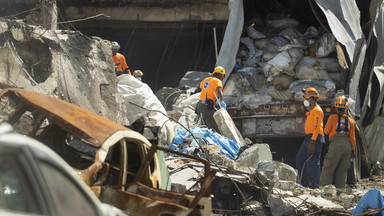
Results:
<point x="336" y="161"/>
<point x="207" y="115"/>
<point x="308" y="165"/>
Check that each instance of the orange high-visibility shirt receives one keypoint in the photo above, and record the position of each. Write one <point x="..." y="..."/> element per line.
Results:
<point x="209" y="88"/>
<point x="119" y="60"/>
<point x="331" y="126"/>
<point x="314" y="122"/>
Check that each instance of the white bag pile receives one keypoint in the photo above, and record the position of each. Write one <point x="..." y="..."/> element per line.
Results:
<point x="276" y="61"/>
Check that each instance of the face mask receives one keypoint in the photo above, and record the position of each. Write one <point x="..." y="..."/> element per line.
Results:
<point x="139" y="78"/>
<point x="306" y="103"/>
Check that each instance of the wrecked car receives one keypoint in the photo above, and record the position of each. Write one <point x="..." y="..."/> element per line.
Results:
<point x="32" y="177"/>
<point x="121" y="166"/>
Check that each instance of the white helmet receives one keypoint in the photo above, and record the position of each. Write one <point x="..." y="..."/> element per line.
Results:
<point x="115" y="46"/>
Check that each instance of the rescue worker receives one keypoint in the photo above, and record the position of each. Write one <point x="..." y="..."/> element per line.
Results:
<point x="137" y="74"/>
<point x="308" y="156"/>
<point x="341" y="131"/>
<point x="211" y="90"/>
<point x="121" y="66"/>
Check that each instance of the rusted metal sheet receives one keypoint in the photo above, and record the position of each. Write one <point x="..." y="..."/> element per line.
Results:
<point x="84" y="124"/>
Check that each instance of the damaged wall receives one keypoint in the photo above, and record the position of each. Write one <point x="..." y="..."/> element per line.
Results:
<point x="67" y="64"/>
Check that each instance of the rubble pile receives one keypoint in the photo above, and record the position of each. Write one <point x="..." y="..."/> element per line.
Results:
<point x="276" y="61"/>
<point x="66" y="64"/>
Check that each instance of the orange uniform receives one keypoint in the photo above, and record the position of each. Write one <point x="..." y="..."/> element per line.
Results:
<point x="209" y="88"/>
<point x="314" y="122"/>
<point x="331" y="126"/>
<point x="119" y="60"/>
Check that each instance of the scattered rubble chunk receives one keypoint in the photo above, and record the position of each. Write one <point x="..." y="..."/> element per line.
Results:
<point x="254" y="155"/>
<point x="227" y="127"/>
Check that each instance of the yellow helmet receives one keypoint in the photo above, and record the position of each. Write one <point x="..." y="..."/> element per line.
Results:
<point x="219" y="70"/>
<point x="310" y="92"/>
<point x="137" y="73"/>
<point x="341" y="102"/>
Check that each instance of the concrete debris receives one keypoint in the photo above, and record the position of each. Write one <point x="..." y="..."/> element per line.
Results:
<point x="299" y="205"/>
<point x="65" y="64"/>
<point x="329" y="190"/>
<point x="284" y="171"/>
<point x="227" y="127"/>
<point x="254" y="155"/>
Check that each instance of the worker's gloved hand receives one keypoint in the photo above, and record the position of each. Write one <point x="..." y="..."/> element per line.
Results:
<point x="353" y="154"/>
<point x="222" y="103"/>
<point x="311" y="147"/>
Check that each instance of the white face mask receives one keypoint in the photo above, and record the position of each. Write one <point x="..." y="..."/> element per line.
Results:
<point x="306" y="103"/>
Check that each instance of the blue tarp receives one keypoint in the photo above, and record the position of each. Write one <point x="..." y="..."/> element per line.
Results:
<point x="228" y="147"/>
<point x="372" y="199"/>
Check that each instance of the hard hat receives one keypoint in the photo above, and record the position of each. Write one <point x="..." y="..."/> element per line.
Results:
<point x="137" y="73"/>
<point x="219" y="70"/>
<point x="310" y="92"/>
<point x="115" y="46"/>
<point x="341" y="102"/>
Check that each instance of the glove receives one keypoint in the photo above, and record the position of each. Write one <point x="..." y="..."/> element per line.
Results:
<point x="311" y="147"/>
<point x="353" y="154"/>
<point x="223" y="104"/>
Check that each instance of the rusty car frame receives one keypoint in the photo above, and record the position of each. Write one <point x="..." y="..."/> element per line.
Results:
<point x="120" y="165"/>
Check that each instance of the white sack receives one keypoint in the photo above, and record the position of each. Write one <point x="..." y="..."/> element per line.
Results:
<point x="280" y="95"/>
<point x="141" y="94"/>
<point x="283" y="62"/>
<point x="307" y="72"/>
<point x="326" y="45"/>
<point x="254" y="34"/>
<point x="329" y="64"/>
<point x="253" y="54"/>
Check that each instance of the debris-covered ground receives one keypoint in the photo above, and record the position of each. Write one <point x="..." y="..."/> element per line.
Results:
<point x="273" y="64"/>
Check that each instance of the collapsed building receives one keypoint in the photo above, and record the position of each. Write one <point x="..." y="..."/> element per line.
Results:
<point x="270" y="66"/>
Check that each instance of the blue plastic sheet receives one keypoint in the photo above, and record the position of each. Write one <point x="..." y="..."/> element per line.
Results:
<point x="371" y="199"/>
<point x="228" y="147"/>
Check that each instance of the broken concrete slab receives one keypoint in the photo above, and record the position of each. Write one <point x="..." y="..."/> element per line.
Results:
<point x="227" y="127"/>
<point x="285" y="185"/>
<point x="285" y="172"/>
<point x="295" y="205"/>
<point x="255" y="154"/>
<point x="321" y="202"/>
<point x="281" y="206"/>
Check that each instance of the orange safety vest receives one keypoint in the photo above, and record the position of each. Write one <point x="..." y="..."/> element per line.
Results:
<point x="314" y="122"/>
<point x="119" y="61"/>
<point x="333" y="123"/>
<point x="209" y="88"/>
